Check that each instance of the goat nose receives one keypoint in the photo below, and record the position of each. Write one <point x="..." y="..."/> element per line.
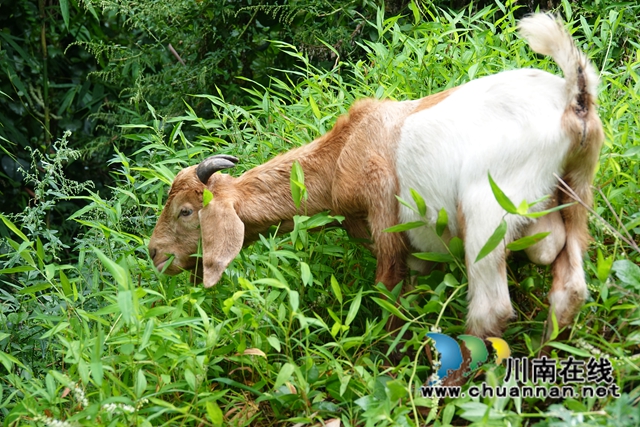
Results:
<point x="152" y="252"/>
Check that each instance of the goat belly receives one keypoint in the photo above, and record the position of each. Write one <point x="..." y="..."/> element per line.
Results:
<point x="508" y="125"/>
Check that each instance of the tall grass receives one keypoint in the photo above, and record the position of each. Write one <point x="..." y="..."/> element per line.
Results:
<point x="294" y="333"/>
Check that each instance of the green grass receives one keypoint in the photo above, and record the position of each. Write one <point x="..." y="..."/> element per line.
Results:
<point x="294" y="333"/>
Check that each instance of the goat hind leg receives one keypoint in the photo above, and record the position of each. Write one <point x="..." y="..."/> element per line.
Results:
<point x="569" y="288"/>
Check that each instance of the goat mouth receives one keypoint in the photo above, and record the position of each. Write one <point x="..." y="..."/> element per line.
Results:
<point x="165" y="266"/>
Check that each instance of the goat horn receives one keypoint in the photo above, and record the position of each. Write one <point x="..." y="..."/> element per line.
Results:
<point x="213" y="164"/>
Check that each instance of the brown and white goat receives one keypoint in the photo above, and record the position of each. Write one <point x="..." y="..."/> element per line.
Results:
<point x="521" y="126"/>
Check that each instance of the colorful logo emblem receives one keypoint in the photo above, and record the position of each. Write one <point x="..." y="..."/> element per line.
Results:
<point x="451" y="353"/>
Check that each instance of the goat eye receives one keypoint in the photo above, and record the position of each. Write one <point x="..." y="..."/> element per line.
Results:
<point x="186" y="212"/>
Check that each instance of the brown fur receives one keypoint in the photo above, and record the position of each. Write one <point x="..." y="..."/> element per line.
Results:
<point x="349" y="171"/>
<point x="583" y="122"/>
<point x="436" y="98"/>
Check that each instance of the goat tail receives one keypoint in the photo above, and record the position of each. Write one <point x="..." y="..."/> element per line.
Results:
<point x="546" y="35"/>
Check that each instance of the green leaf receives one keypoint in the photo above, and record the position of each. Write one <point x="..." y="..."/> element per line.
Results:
<point x="190" y="378"/>
<point x="148" y="330"/>
<point x="39" y="250"/>
<point x="64" y="11"/>
<point x="215" y="414"/>
<point x="385" y="304"/>
<point x="493" y="241"/>
<point x="274" y="342"/>
<point x="64" y="283"/>
<point x="8" y="361"/>
<point x="442" y="222"/>
<point x="416" y="12"/>
<point x="523" y="208"/>
<point x="125" y="303"/>
<point x="627" y="272"/>
<point x="603" y="266"/>
<point x="353" y="309"/>
<point x="314" y="107"/>
<point x="35" y="288"/>
<point x="569" y="349"/>
<point x="118" y="272"/>
<point x="207" y="197"/>
<point x="344" y="383"/>
<point x="284" y="375"/>
<point x="456" y="247"/>
<point x="405" y="203"/>
<point x="395" y="389"/>
<point x="335" y="286"/>
<point x="294" y="299"/>
<point x="298" y="189"/>
<point x="417" y="198"/>
<point x="404" y="227"/>
<point x="547" y="211"/>
<point x="473" y="69"/>
<point x="448" y="413"/>
<point x="526" y="241"/>
<point x="434" y="256"/>
<point x="567" y="9"/>
<point x="13" y="228"/>
<point x="18" y="269"/>
<point x="502" y="198"/>
<point x="554" y="323"/>
<point x="141" y="383"/>
<point x="96" y="357"/>
<point x="305" y="274"/>
<point x="51" y="332"/>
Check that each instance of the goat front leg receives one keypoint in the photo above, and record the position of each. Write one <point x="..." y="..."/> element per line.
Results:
<point x="489" y="306"/>
<point x="390" y="250"/>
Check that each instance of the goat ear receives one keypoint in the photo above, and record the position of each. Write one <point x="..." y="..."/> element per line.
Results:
<point x="222" y="238"/>
<point x="213" y="164"/>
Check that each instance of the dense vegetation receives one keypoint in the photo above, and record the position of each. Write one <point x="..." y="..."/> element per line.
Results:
<point x="91" y="334"/>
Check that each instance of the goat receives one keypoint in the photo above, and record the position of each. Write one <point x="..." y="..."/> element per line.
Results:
<point x="522" y="126"/>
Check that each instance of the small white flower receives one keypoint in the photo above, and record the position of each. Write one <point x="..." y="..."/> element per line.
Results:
<point x="141" y="402"/>
<point x="113" y="407"/>
<point x="78" y="393"/>
<point x="52" y="422"/>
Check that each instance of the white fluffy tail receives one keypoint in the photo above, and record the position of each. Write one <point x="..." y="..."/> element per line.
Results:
<point x="546" y="35"/>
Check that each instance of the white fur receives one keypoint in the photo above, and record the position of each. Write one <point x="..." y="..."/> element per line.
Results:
<point x="519" y="126"/>
<point x="508" y="125"/>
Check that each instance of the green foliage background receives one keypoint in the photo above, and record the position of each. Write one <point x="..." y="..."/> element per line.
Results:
<point x="91" y="335"/>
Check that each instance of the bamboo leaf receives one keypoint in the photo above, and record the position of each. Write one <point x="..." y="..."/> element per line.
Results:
<point x="336" y="288"/>
<point x="502" y="198"/>
<point x="385" y="304"/>
<point x="525" y="242"/>
<point x="493" y="241"/>
<point x="442" y="222"/>
<point x="434" y="256"/>
<point x="404" y="227"/>
<point x="285" y="374"/>
<point x="353" y="309"/>
<point x="215" y="414"/>
<point x="207" y="197"/>
<point x="13" y="228"/>
<point x="64" y="11"/>
<point x="417" y="198"/>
